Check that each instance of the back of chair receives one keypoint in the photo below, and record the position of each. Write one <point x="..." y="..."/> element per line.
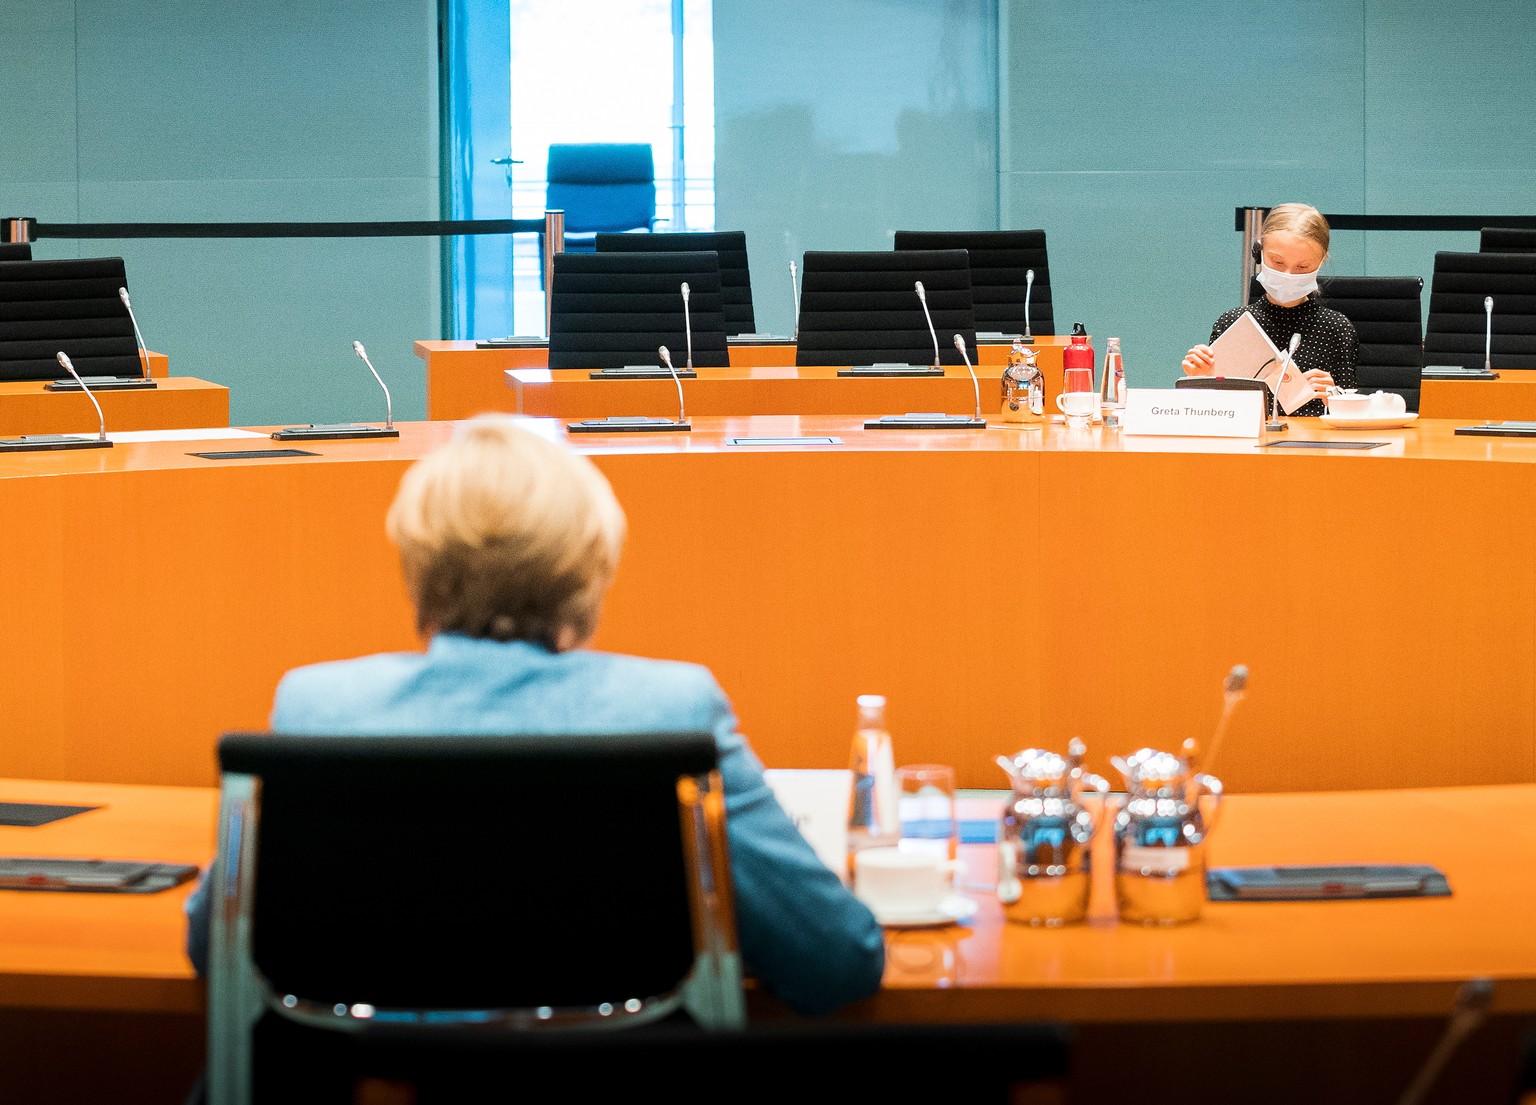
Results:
<point x="1000" y="263"/>
<point x="612" y="309"/>
<point x="602" y="186"/>
<point x="15" y="251"/>
<point x="1387" y="313"/>
<point x="437" y="875"/>
<point x="69" y="306"/>
<point x="730" y="245"/>
<point x="1455" y="333"/>
<point x="1507" y="239"/>
<point x="862" y="307"/>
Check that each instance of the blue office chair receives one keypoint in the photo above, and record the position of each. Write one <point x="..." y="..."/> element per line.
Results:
<point x="601" y="187"/>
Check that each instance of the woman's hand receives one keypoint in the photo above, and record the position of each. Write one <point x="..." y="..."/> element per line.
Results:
<point x="1199" y="361"/>
<point x="1319" y="380"/>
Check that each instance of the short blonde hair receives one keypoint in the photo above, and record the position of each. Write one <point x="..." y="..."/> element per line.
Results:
<point x="507" y="535"/>
<point x="1300" y="219"/>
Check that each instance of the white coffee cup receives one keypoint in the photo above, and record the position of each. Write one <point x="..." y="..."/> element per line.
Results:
<point x="1348" y="404"/>
<point x="896" y="883"/>
<point x="1388" y="404"/>
<point x="1077" y="404"/>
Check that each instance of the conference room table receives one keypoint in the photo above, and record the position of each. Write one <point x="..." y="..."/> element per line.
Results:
<point x="175" y="402"/>
<point x="466" y="378"/>
<point x="1259" y="972"/>
<point x="1511" y="396"/>
<point x="1004" y="588"/>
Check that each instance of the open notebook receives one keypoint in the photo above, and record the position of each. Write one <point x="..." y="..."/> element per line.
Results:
<point x="1244" y="350"/>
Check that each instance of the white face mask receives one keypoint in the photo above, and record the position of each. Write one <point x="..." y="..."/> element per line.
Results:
<point x="1287" y="287"/>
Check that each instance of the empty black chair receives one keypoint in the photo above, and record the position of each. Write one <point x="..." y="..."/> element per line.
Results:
<point x="731" y="245"/>
<point x="70" y="306"/>
<point x="1387" y="313"/>
<point x="15" y="251"/>
<point x="1507" y="239"/>
<point x="608" y="310"/>
<point x="1000" y="263"/>
<point x="859" y="308"/>
<point x="816" y="1062"/>
<point x="1455" y="333"/>
<point x="521" y="883"/>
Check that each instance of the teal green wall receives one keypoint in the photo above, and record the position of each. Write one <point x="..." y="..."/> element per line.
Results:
<point x="194" y="111"/>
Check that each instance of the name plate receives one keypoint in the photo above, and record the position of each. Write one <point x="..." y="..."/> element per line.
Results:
<point x="817" y="802"/>
<point x="1193" y="412"/>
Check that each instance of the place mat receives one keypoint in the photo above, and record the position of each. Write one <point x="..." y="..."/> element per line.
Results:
<point x="29" y="815"/>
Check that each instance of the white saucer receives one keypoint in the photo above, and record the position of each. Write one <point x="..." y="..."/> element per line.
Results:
<point x="953" y="909"/>
<point x="1358" y="422"/>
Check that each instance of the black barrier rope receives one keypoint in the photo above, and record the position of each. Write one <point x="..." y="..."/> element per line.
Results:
<point x="36" y="230"/>
<point x="1408" y="222"/>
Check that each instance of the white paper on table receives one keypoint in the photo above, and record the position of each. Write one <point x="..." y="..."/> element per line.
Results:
<point x="817" y="802"/>
<point x="215" y="433"/>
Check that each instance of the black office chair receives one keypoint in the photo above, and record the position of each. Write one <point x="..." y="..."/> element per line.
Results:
<point x="859" y="308"/>
<point x="601" y="186"/>
<point x="520" y="883"/>
<point x="1506" y="239"/>
<point x="608" y="310"/>
<point x="730" y="245"/>
<point x="15" y="251"/>
<point x="70" y="306"/>
<point x="815" y="1062"/>
<point x="1455" y="333"/>
<point x="1000" y="262"/>
<point x="1387" y="313"/>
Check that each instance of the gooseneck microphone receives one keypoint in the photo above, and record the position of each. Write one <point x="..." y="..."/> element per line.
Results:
<point x="688" y="331"/>
<point x="922" y="297"/>
<point x="1472" y="1000"/>
<point x="138" y="335"/>
<point x="1029" y="287"/>
<point x="389" y="404"/>
<point x="336" y="431"/>
<point x="1488" y="340"/>
<point x="975" y="385"/>
<point x="666" y="359"/>
<point x="69" y="368"/>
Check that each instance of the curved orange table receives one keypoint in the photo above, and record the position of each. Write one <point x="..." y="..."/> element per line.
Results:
<point x="1003" y="588"/>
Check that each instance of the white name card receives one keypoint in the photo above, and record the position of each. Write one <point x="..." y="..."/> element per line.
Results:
<point x="1193" y="412"/>
<point x="817" y="802"/>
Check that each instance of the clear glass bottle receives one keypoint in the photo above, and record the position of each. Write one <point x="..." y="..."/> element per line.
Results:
<point x="872" y="815"/>
<point x="1112" y="385"/>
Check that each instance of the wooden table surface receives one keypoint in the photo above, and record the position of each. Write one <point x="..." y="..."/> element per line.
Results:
<point x="1511" y="396"/>
<point x="1240" y="961"/>
<point x="464" y="380"/>
<point x="1004" y="588"/>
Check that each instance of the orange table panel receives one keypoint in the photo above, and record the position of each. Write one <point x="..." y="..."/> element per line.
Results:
<point x="464" y="380"/>
<point x="1511" y="396"/>
<point x="177" y="402"/>
<point x="1003" y="587"/>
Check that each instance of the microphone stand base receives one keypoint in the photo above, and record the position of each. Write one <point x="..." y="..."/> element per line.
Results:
<point x="103" y="383"/>
<point x="645" y="372"/>
<point x="926" y="422"/>
<point x="334" y="431"/>
<point x="891" y="370"/>
<point x="39" y="442"/>
<point x="1276" y="427"/>
<point x="624" y="424"/>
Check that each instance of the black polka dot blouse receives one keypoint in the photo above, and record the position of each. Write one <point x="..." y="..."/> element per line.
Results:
<point x="1328" y="339"/>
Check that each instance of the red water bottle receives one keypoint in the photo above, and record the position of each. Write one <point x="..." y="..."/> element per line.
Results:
<point x="1077" y="362"/>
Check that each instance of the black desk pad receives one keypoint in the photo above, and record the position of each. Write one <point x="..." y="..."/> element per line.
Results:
<point x="29" y="815"/>
<point x="1322" y="444"/>
<point x="254" y="454"/>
